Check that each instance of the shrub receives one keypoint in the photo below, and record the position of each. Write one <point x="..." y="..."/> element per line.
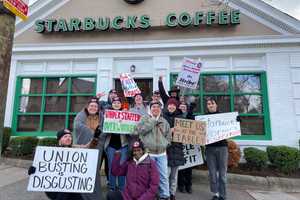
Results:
<point x="6" y="138"/>
<point x="256" y="158"/>
<point x="23" y="145"/>
<point x="50" y="142"/>
<point x="284" y="158"/>
<point x="234" y="154"/>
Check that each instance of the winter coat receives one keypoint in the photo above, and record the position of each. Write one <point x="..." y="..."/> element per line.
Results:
<point x="175" y="150"/>
<point x="83" y="136"/>
<point x="154" y="133"/>
<point x="139" y="110"/>
<point x="142" y="179"/>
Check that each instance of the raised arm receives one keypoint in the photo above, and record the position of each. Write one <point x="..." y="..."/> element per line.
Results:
<point x="162" y="91"/>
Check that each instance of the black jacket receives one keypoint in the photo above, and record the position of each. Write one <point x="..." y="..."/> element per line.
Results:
<point x="175" y="150"/>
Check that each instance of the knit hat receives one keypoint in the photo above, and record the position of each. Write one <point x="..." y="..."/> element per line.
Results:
<point x="61" y="133"/>
<point x="94" y="100"/>
<point x="137" y="144"/>
<point x="172" y="101"/>
<point x="155" y="102"/>
<point x="174" y="89"/>
<point x="116" y="99"/>
<point x="156" y="92"/>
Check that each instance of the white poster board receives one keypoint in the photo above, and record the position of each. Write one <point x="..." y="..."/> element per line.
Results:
<point x="64" y="170"/>
<point x="193" y="156"/>
<point x="190" y="73"/>
<point x="220" y="126"/>
<point x="129" y="86"/>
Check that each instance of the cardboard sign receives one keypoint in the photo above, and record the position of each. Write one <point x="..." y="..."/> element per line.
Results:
<point x="220" y="126"/>
<point x="64" y="170"/>
<point x="189" y="131"/>
<point x="190" y="73"/>
<point x="129" y="86"/>
<point x="193" y="156"/>
<point x="18" y="7"/>
<point x="120" y="122"/>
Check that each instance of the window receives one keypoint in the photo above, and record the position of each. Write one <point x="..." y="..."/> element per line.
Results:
<point x="243" y="92"/>
<point x="44" y="105"/>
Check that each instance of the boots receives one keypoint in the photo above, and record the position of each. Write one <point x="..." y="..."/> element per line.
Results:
<point x="172" y="197"/>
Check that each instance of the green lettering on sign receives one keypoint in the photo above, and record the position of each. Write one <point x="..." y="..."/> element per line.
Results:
<point x="116" y="23"/>
<point x="171" y="20"/>
<point x="223" y="18"/>
<point x="184" y="19"/>
<point x="50" y="25"/>
<point x="198" y="18"/>
<point x="145" y="22"/>
<point x="103" y="23"/>
<point x="210" y="18"/>
<point x="40" y="26"/>
<point x="74" y="24"/>
<point x="89" y="24"/>
<point x="131" y="22"/>
<point x="235" y="17"/>
<point x="61" y="26"/>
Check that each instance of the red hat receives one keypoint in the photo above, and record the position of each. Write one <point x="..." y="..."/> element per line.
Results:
<point x="172" y="101"/>
<point x="137" y="144"/>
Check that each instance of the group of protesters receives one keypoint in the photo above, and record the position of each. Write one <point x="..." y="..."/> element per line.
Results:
<point x="143" y="165"/>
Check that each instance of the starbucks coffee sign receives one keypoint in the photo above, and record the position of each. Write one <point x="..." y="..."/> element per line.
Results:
<point x="133" y="22"/>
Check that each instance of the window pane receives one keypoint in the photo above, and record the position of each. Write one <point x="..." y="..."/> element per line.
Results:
<point x="252" y="126"/>
<point x="56" y="104"/>
<point x="30" y="104"/>
<point x="248" y="104"/>
<point x="222" y="101"/>
<point x="32" y="86"/>
<point x="71" y="121"/>
<point x="57" y="85"/>
<point x="54" y="123"/>
<point x="83" y="85"/>
<point x="28" y="123"/>
<point x="247" y="83"/>
<point x="216" y="83"/>
<point x="78" y="103"/>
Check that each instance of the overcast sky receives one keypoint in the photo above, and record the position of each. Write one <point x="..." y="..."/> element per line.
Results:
<point x="292" y="7"/>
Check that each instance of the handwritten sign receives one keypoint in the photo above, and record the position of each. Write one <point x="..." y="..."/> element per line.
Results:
<point x="129" y="86"/>
<point x="64" y="170"/>
<point x="190" y="73"/>
<point x="220" y="126"/>
<point x="189" y="131"/>
<point x="120" y="122"/>
<point x="18" y="7"/>
<point x="193" y="156"/>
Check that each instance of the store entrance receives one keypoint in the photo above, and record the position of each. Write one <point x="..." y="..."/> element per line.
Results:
<point x="145" y="85"/>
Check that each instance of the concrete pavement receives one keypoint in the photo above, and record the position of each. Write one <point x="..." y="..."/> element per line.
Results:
<point x="13" y="186"/>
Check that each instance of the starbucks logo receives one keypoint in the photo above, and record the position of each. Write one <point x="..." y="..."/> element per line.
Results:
<point x="133" y="1"/>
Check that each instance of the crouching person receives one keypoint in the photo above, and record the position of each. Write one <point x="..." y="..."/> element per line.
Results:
<point x="142" y="176"/>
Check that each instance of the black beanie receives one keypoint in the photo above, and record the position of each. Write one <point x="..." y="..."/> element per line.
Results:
<point x="61" y="133"/>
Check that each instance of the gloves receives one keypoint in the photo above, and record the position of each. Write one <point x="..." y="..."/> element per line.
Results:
<point x="238" y="118"/>
<point x="97" y="132"/>
<point x="31" y="170"/>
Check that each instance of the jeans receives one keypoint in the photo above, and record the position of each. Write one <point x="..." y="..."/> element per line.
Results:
<point x="217" y="159"/>
<point x="110" y="152"/>
<point x="162" y="166"/>
<point x="173" y="175"/>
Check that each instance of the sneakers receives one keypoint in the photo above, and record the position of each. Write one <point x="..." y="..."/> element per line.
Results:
<point x="172" y="197"/>
<point x="181" y="189"/>
<point x="189" y="190"/>
<point x="215" y="197"/>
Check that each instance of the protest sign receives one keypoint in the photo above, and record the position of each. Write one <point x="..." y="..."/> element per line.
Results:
<point x="189" y="131"/>
<point x="129" y="86"/>
<point x="18" y="7"/>
<point x="64" y="170"/>
<point x="121" y="122"/>
<point x="220" y="126"/>
<point x="193" y="156"/>
<point x="190" y="73"/>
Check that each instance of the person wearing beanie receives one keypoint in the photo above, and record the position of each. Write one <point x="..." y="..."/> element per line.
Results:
<point x="86" y="122"/>
<point x="116" y="142"/>
<point x="138" y="106"/>
<point x="154" y="131"/>
<point x="173" y="93"/>
<point x="175" y="150"/>
<point x="142" y="176"/>
<point x="107" y="104"/>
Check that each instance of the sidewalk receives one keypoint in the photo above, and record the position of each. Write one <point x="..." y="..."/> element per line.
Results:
<point x="14" y="180"/>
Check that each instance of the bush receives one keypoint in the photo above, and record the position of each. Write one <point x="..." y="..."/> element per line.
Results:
<point x="234" y="154"/>
<point x="49" y="142"/>
<point x="284" y="158"/>
<point x="23" y="145"/>
<point x="6" y="138"/>
<point x="256" y="158"/>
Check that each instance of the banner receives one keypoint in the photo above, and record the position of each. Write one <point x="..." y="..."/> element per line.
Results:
<point x="220" y="126"/>
<point x="121" y="122"/>
<point x="129" y="86"/>
<point x="189" y="131"/>
<point x="18" y="7"/>
<point x="190" y="73"/>
<point x="64" y="170"/>
<point x="193" y="156"/>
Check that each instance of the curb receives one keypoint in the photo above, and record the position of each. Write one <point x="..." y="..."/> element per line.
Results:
<point x="201" y="176"/>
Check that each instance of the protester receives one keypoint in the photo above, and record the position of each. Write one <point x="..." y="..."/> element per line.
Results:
<point x="107" y="104"/>
<point x="113" y="143"/>
<point x="217" y="158"/>
<point x="173" y="93"/>
<point x="155" y="97"/>
<point x="142" y="176"/>
<point x="154" y="132"/>
<point x="185" y="175"/>
<point x="65" y="139"/>
<point x="175" y="150"/>
<point x="86" y="122"/>
<point x="139" y="107"/>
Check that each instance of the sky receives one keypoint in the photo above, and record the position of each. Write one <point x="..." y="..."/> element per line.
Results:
<point x="291" y="7"/>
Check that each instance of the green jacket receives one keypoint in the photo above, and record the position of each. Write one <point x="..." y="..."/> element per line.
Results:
<point x="155" y="134"/>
